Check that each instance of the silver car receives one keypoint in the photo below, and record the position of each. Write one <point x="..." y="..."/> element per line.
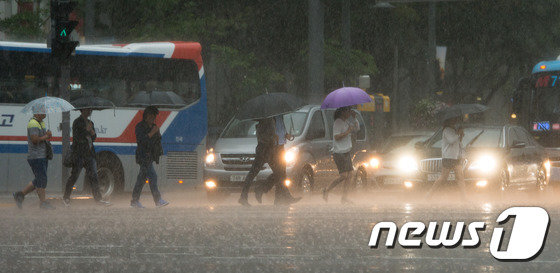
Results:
<point x="308" y="157"/>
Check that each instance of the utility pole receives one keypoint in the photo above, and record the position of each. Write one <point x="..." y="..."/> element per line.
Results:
<point x="316" y="71"/>
<point x="431" y="52"/>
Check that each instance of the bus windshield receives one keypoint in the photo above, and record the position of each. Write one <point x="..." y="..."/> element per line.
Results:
<point x="546" y="104"/>
<point x="25" y="76"/>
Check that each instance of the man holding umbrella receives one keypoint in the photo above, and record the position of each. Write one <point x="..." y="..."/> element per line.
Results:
<point x="83" y="156"/>
<point x="263" y="108"/>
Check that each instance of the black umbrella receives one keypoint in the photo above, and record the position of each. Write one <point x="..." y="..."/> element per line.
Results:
<point x="459" y="110"/>
<point x="91" y="102"/>
<point x="269" y="105"/>
<point x="157" y="98"/>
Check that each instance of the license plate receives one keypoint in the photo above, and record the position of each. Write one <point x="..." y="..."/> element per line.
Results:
<point x="237" y="178"/>
<point x="434" y="176"/>
<point x="392" y="181"/>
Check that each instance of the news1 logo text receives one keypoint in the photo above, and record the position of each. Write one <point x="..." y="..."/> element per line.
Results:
<point x="526" y="239"/>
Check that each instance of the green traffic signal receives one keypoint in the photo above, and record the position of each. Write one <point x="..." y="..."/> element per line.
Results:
<point x="63" y="33"/>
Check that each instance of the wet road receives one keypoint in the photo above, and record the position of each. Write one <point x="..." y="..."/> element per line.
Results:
<point x="192" y="236"/>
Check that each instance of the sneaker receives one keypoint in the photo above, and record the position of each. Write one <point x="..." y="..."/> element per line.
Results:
<point x="18" y="197"/>
<point x="136" y="204"/>
<point x="325" y="195"/>
<point x="243" y="202"/>
<point x="66" y="202"/>
<point x="293" y="200"/>
<point x="161" y="203"/>
<point x="46" y="205"/>
<point x="103" y="203"/>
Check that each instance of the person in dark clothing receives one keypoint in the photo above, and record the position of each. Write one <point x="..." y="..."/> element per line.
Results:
<point x="149" y="150"/>
<point x="83" y="156"/>
<point x="265" y="153"/>
<point x="277" y="162"/>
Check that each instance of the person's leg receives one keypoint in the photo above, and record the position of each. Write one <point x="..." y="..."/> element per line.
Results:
<point x="29" y="188"/>
<point x="441" y="179"/>
<point x="345" y="185"/>
<point x="74" y="174"/>
<point x="279" y="170"/>
<point x="337" y="181"/>
<point x="258" y="163"/>
<point x="459" y="177"/>
<point x="91" y="173"/>
<point x="41" y="178"/>
<point x="140" y="181"/>
<point x="152" y="178"/>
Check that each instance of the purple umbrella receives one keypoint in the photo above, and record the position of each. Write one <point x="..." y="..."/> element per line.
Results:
<point x="345" y="96"/>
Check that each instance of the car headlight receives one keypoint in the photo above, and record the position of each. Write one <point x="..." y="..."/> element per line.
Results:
<point x="374" y="163"/>
<point x="484" y="163"/>
<point x="210" y="158"/>
<point x="290" y="155"/>
<point x="408" y="164"/>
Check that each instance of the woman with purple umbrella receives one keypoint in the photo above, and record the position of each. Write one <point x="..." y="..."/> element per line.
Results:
<point x="343" y="127"/>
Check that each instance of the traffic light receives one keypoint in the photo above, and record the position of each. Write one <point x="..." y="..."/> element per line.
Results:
<point x="61" y="28"/>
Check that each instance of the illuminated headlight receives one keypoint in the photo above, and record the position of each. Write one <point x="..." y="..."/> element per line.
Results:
<point x="210" y="158"/>
<point x="484" y="163"/>
<point x="210" y="184"/>
<point x="407" y="164"/>
<point x="547" y="168"/>
<point x="374" y="163"/>
<point x="287" y="182"/>
<point x="290" y="155"/>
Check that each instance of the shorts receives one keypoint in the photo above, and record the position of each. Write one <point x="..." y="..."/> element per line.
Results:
<point x="343" y="162"/>
<point x="450" y="163"/>
<point x="39" y="167"/>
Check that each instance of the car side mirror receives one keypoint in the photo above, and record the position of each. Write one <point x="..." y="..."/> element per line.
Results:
<point x="518" y="144"/>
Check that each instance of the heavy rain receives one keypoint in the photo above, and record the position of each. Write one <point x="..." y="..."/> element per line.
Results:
<point x="279" y="136"/>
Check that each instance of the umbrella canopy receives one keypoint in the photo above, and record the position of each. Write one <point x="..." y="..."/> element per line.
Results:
<point x="47" y="105"/>
<point x="269" y="105"/>
<point x="94" y="103"/>
<point x="459" y="110"/>
<point x="157" y="98"/>
<point x="345" y="96"/>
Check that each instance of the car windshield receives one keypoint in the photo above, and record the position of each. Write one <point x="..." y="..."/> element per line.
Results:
<point x="294" y="123"/>
<point x="485" y="138"/>
<point x="398" y="143"/>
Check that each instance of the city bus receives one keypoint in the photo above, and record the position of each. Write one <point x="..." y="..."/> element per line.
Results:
<point x="115" y="72"/>
<point x="536" y="106"/>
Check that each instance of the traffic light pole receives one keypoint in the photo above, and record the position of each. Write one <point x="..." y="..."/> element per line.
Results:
<point x="64" y="83"/>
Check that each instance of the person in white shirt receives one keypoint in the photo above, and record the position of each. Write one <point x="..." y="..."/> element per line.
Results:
<point x="452" y="152"/>
<point x="342" y="150"/>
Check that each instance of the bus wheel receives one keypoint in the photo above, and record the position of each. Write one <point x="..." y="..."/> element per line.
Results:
<point x="110" y="175"/>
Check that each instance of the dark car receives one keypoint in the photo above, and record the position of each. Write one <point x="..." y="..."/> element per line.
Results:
<point x="497" y="158"/>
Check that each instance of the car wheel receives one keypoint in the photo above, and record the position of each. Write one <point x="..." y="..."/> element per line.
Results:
<point x="306" y="184"/>
<point x="541" y="180"/>
<point x="360" y="180"/>
<point x="503" y="182"/>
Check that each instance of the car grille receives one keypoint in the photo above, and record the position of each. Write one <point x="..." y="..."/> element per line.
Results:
<point x="238" y="159"/>
<point x="430" y="165"/>
<point x="182" y="165"/>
